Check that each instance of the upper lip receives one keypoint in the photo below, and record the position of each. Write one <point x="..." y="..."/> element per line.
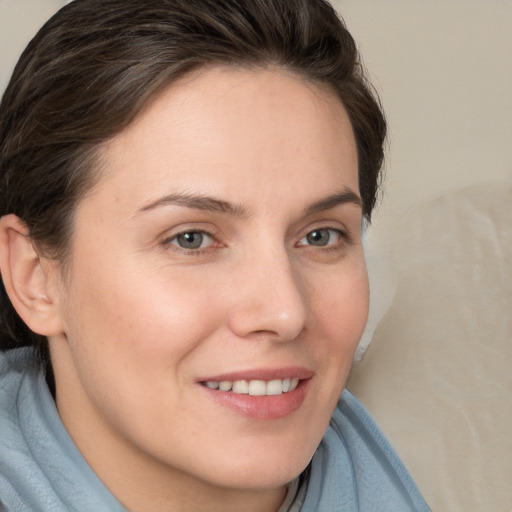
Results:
<point x="267" y="374"/>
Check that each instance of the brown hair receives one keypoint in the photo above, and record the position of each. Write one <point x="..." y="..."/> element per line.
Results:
<point x="92" y="66"/>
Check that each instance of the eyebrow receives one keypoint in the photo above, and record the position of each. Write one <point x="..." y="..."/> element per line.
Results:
<point x="212" y="204"/>
<point x="197" y="202"/>
<point x="343" y="197"/>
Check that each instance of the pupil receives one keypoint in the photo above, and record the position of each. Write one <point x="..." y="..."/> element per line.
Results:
<point x="318" y="237"/>
<point x="192" y="240"/>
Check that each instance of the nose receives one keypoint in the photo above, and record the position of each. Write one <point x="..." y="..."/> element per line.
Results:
<point x="270" y="299"/>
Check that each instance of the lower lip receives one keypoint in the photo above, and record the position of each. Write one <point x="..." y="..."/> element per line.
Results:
<point x="270" y="407"/>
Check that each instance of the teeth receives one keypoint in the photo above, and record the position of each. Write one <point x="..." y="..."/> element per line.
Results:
<point x="225" y="385"/>
<point x="275" y="387"/>
<point x="241" y="387"/>
<point x="255" y="387"/>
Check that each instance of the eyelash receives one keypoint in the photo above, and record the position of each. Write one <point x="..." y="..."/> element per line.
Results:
<point x="194" y="251"/>
<point x="344" y="238"/>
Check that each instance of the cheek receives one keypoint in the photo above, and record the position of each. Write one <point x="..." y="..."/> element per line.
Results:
<point x="133" y="328"/>
<point x="131" y="341"/>
<point x="342" y="309"/>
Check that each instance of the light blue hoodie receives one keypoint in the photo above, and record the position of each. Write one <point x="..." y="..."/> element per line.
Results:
<point x="354" y="468"/>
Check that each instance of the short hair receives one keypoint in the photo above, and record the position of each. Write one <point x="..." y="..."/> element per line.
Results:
<point x="92" y="67"/>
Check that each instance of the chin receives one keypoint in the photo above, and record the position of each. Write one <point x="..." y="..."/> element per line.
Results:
<point x="264" y="468"/>
<point x="268" y="477"/>
<point x="269" y="460"/>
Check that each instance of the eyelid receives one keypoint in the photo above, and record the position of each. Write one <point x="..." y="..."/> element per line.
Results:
<point x="304" y="242"/>
<point x="344" y="234"/>
<point x="166" y="240"/>
<point x="203" y="234"/>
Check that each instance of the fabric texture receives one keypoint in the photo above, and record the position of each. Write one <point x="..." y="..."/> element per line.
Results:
<point x="354" y="468"/>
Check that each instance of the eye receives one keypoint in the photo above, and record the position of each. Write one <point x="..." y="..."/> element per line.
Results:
<point x="322" y="237"/>
<point x="191" y="240"/>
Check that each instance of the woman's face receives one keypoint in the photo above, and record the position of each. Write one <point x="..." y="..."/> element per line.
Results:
<point x="220" y="253"/>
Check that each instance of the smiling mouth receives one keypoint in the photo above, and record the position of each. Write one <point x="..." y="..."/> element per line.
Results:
<point x="254" y="387"/>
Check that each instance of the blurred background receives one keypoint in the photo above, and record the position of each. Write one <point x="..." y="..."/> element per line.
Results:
<point x="437" y="374"/>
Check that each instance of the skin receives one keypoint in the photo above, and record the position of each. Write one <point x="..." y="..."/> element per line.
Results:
<point x="142" y="318"/>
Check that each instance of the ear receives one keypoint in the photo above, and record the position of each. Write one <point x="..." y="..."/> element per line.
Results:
<point x="29" y="279"/>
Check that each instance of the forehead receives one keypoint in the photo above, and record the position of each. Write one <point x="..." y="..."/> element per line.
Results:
<point x="222" y="124"/>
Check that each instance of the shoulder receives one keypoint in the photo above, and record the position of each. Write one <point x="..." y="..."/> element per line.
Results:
<point x="17" y="368"/>
<point x="40" y="467"/>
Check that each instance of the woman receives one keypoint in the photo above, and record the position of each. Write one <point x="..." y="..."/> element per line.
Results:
<point x="183" y="186"/>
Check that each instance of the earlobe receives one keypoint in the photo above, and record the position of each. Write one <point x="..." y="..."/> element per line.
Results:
<point x="26" y="276"/>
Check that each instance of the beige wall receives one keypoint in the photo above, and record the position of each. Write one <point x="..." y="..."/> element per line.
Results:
<point x="437" y="377"/>
<point x="19" y="21"/>
<point x="444" y="72"/>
